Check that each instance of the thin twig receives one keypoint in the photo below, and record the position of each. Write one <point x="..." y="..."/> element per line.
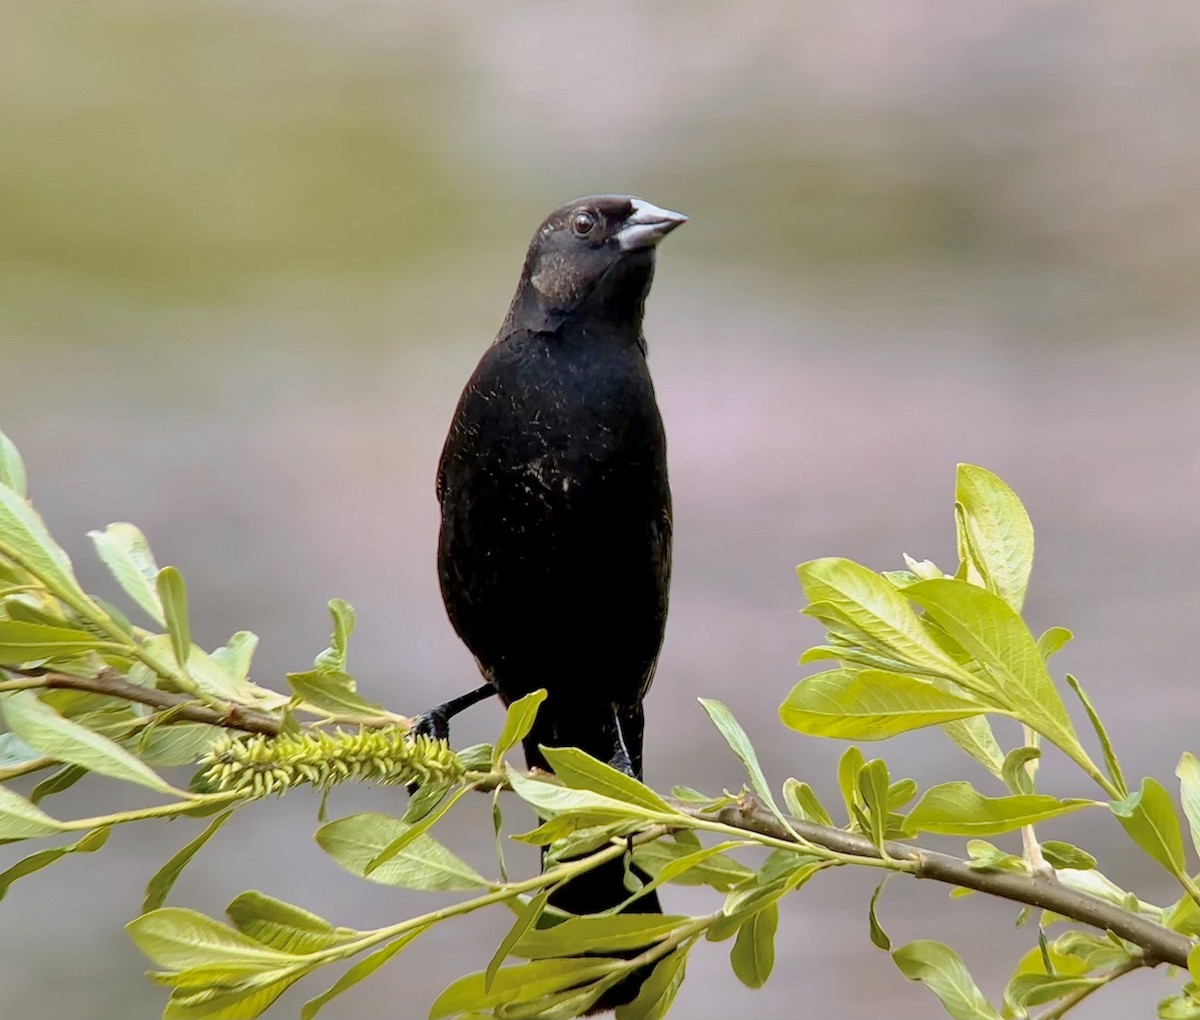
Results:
<point x="186" y="707"/>
<point x="1158" y="944"/>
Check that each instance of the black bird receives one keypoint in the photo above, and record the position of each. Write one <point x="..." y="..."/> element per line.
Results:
<point x="555" y="548"/>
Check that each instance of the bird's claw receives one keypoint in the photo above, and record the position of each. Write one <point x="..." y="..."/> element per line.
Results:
<point x="620" y="761"/>
<point x="434" y="724"/>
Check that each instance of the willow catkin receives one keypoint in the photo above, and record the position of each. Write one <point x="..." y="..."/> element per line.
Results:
<point x="259" y="765"/>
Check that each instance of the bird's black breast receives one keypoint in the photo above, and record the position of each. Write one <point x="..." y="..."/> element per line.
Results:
<point x="555" y="544"/>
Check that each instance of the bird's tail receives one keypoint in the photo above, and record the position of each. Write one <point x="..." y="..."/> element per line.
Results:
<point x="603" y="887"/>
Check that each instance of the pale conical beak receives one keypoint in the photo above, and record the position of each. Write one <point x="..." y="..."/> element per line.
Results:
<point x="647" y="225"/>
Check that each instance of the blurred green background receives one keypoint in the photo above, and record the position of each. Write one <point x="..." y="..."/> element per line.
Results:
<point x="250" y="252"/>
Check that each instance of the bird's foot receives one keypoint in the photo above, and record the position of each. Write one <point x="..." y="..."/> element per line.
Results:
<point x="620" y="761"/>
<point x="434" y="724"/>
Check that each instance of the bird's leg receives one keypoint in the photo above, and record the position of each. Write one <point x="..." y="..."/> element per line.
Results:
<point x="622" y="762"/>
<point x="620" y="759"/>
<point x="436" y="722"/>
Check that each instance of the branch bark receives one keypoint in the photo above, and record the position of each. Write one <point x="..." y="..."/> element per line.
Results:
<point x="235" y="717"/>
<point x="1158" y="944"/>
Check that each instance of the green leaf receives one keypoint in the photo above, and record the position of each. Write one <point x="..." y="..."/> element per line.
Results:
<point x="579" y="935"/>
<point x="999" y="532"/>
<point x="93" y="841"/>
<point x="753" y="953"/>
<point x="876" y="612"/>
<point x="423" y="864"/>
<point x="1184" y="1006"/>
<point x="918" y="570"/>
<point x="1042" y="960"/>
<point x="676" y="870"/>
<point x="1188" y="771"/>
<point x="334" y="692"/>
<point x="1053" y="640"/>
<point x="879" y="937"/>
<point x="572" y="835"/>
<point x="940" y="969"/>
<point x="1014" y="772"/>
<point x="44" y="729"/>
<point x="424" y="802"/>
<point x="361" y="970"/>
<point x="126" y="553"/>
<point x="1110" y="756"/>
<point x="802" y="801"/>
<point x="685" y="865"/>
<point x="212" y="678"/>
<point x="333" y="659"/>
<point x="987" y="857"/>
<point x="525" y="920"/>
<point x="850" y="764"/>
<point x="1035" y="989"/>
<point x="1065" y="856"/>
<point x="994" y="635"/>
<point x="35" y="607"/>
<point x="1096" y="884"/>
<point x="1148" y="818"/>
<point x="744" y="901"/>
<point x="235" y="655"/>
<point x="176" y="743"/>
<point x="581" y="771"/>
<point x="177" y="939"/>
<point x="871" y="705"/>
<point x="172" y="593"/>
<point x="782" y="864"/>
<point x="159" y="887"/>
<point x="22" y="642"/>
<point x="873" y="783"/>
<point x="63" y="779"/>
<point x="25" y="541"/>
<point x="517" y="724"/>
<point x="226" y="996"/>
<point x="1092" y="951"/>
<point x="740" y="744"/>
<point x="12" y="468"/>
<point x="574" y="1002"/>
<point x="411" y="831"/>
<point x="283" y="926"/>
<point x="900" y="793"/>
<point x="958" y="809"/>
<point x="552" y="800"/>
<point x="476" y="758"/>
<point x="19" y="819"/>
<point x="658" y="991"/>
<point x="519" y="984"/>
<point x="975" y="737"/>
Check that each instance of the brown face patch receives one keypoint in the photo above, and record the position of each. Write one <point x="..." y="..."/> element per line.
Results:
<point x="554" y="278"/>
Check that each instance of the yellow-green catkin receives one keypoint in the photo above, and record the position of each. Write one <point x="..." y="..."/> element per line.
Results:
<point x="259" y="765"/>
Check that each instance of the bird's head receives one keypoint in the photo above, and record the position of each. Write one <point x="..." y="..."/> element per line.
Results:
<point x="593" y="255"/>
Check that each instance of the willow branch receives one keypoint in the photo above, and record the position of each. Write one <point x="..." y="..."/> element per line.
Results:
<point x="183" y="706"/>
<point x="1158" y="944"/>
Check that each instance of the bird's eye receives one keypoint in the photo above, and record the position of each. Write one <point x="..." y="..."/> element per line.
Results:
<point x="583" y="223"/>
